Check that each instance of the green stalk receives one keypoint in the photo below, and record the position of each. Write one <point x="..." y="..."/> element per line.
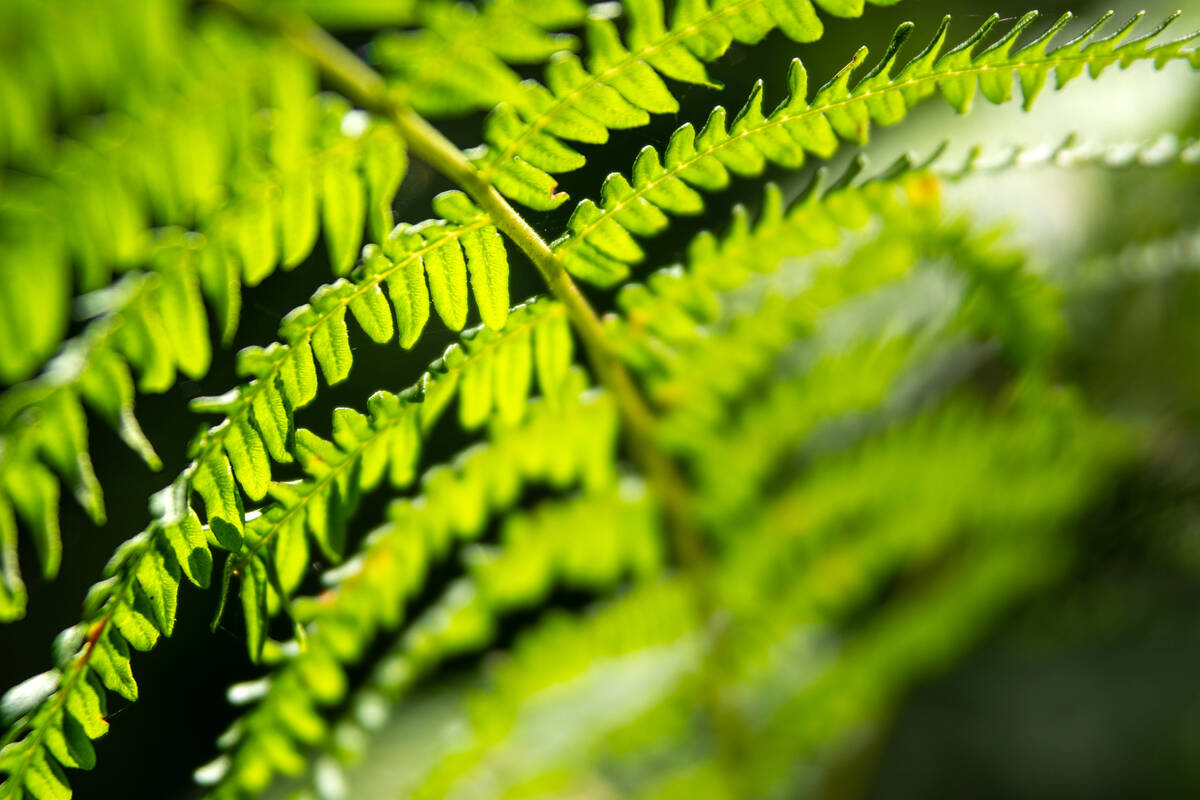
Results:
<point x="367" y="88"/>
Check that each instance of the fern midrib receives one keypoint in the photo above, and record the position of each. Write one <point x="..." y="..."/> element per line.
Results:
<point x="216" y="439"/>
<point x="573" y="240"/>
<point x="40" y="722"/>
<point x="601" y="79"/>
<point x="352" y="456"/>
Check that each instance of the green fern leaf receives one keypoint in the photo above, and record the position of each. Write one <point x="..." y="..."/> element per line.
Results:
<point x="621" y="86"/>
<point x="109" y="661"/>
<point x="599" y="244"/>
<point x="824" y="353"/>
<point x="457" y="60"/>
<point x="372" y="587"/>
<point x="70" y="745"/>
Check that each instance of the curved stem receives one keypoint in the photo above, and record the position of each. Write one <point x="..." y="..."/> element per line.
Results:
<point x="367" y="88"/>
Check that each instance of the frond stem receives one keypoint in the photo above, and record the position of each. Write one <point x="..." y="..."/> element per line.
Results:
<point x="367" y="88"/>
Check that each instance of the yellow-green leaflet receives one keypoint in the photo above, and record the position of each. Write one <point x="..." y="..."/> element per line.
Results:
<point x="410" y="297"/>
<point x="213" y="481"/>
<point x="446" y="270"/>
<point x="487" y="262"/>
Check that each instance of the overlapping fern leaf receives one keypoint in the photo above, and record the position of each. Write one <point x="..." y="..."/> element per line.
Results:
<point x="806" y="373"/>
<point x="625" y="685"/>
<point x="46" y="427"/>
<point x="601" y="242"/>
<point x="622" y="83"/>
<point x="490" y="373"/>
<point x="368" y="594"/>
<point x="165" y="156"/>
<point x="271" y="740"/>
<point x="454" y="58"/>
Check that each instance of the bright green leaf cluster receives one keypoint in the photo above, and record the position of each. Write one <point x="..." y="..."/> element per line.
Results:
<point x="491" y="375"/>
<point x="94" y="51"/>
<point x="368" y="592"/>
<point x="805" y="374"/>
<point x="456" y="59"/>
<point x="626" y="684"/>
<point x="155" y="323"/>
<point x="601" y="240"/>
<point x="490" y="370"/>
<point x="700" y="378"/>
<point x="167" y="153"/>
<point x="620" y="85"/>
<point x="135" y="603"/>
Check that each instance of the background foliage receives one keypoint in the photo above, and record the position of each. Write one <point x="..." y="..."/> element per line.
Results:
<point x="1080" y="690"/>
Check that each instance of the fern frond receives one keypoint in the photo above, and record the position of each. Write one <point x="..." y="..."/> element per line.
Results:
<point x="44" y="427"/>
<point x="1061" y="448"/>
<point x="621" y="85"/>
<point x="801" y="377"/>
<point x="169" y="153"/>
<point x="1071" y="152"/>
<point x="874" y="358"/>
<point x="135" y="603"/>
<point x="365" y="448"/>
<point x="544" y="546"/>
<point x="680" y="306"/>
<point x="457" y="58"/>
<point x="600" y="242"/>
<point x="620" y="716"/>
<point x="781" y="292"/>
<point x="1065" y="454"/>
<point x="860" y="380"/>
<point x="965" y="281"/>
<point x="490" y="374"/>
<point x="677" y="305"/>
<point x="94" y="373"/>
<point x="324" y="166"/>
<point x="1138" y="263"/>
<point x="438" y="254"/>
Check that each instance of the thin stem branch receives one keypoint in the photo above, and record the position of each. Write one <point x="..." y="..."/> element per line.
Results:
<point x="367" y="88"/>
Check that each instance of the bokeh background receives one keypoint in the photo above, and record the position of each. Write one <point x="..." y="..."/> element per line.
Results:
<point x="1087" y="691"/>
